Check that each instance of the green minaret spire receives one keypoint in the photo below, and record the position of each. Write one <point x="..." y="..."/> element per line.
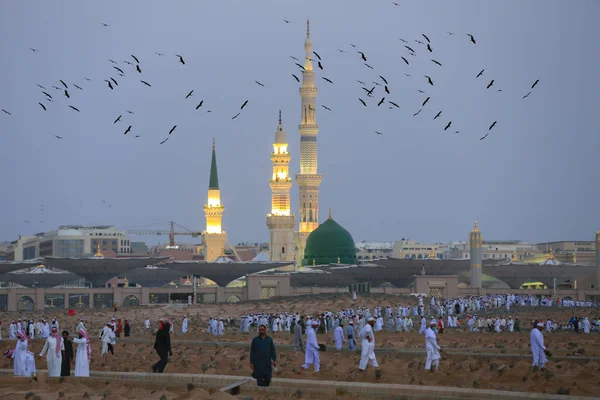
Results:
<point x="214" y="177"/>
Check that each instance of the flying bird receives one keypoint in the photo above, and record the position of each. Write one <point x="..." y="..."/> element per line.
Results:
<point x="109" y="84"/>
<point x="450" y="33"/>
<point x="78" y="87"/>
<point x="418" y="41"/>
<point x="379" y="133"/>
<point x="56" y="87"/>
<point x="199" y="104"/>
<point x="40" y="86"/>
<point x="342" y="51"/>
<point x="137" y="67"/>
<point x="286" y="21"/>
<point x="159" y="54"/>
<point x="353" y="45"/>
<point x="119" y="69"/>
<point x="135" y="58"/>
<point x="146" y="83"/>
<point x="492" y="125"/>
<point x="472" y="38"/>
<point x="420" y="91"/>
<point x="363" y="102"/>
<point x="486" y="135"/>
<point x="163" y="142"/>
<point x="410" y="49"/>
<point x="47" y="94"/>
<point x="172" y="129"/>
<point x="417" y="113"/>
<point x="128" y="62"/>
<point x="67" y="94"/>
<point x="425" y="102"/>
<point x="296" y="78"/>
<point x="294" y="58"/>
<point x="535" y="83"/>
<point x="128" y="130"/>
<point x="437" y="115"/>
<point x="104" y="24"/>
<point x="130" y="112"/>
<point x="75" y="108"/>
<point x="527" y="95"/>
<point x="325" y="107"/>
<point x="480" y="73"/>
<point x="87" y="79"/>
<point x="244" y="105"/>
<point x="235" y="116"/>
<point x="386" y="89"/>
<point x="394" y="104"/>
<point x="383" y="79"/>
<point x="368" y="66"/>
<point x="429" y="48"/>
<point x="428" y="41"/>
<point x="300" y="66"/>
<point x="381" y="101"/>
<point x="429" y="80"/>
<point x="328" y="80"/>
<point x="189" y="94"/>
<point x="362" y="55"/>
<point x="118" y="119"/>
<point x="405" y="60"/>
<point x="436" y="62"/>
<point x="112" y="61"/>
<point x="448" y="126"/>
<point x="320" y="65"/>
<point x="180" y="59"/>
<point x="490" y="84"/>
<point x="58" y="137"/>
<point x="318" y="56"/>
<point x="6" y="112"/>
<point x="66" y="87"/>
<point x="43" y="106"/>
<point x="115" y="82"/>
<point x="32" y="49"/>
<point x="259" y="84"/>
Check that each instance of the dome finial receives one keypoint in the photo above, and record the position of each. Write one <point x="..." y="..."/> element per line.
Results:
<point x="307" y="28"/>
<point x="279" y="117"/>
<point x="330" y="214"/>
<point x="213" y="143"/>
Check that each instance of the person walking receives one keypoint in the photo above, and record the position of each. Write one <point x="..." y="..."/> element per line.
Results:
<point x="263" y="357"/>
<point x="432" y="349"/>
<point x="53" y="349"/>
<point x="83" y="355"/>
<point x="162" y="345"/>
<point x="67" y="360"/>
<point x="298" y="342"/>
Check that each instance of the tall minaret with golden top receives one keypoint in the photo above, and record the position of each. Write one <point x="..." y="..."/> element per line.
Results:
<point x="281" y="221"/>
<point x="213" y="237"/>
<point x="308" y="179"/>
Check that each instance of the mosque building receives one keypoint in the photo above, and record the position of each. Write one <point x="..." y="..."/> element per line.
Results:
<point x="312" y="243"/>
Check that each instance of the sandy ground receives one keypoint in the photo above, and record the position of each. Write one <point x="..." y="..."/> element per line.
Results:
<point x="579" y="376"/>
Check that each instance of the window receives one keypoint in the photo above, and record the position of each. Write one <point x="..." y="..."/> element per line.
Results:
<point x="95" y="242"/>
<point x="104" y="242"/>
<point x="114" y="242"/>
<point x="283" y="250"/>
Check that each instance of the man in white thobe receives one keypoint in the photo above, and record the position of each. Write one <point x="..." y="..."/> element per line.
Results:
<point x="367" y="341"/>
<point x="184" y="324"/>
<point x="147" y="323"/>
<point x="53" y="349"/>
<point x="83" y="355"/>
<point x="537" y="347"/>
<point x="311" y="355"/>
<point x="432" y="349"/>
<point x="80" y="326"/>
<point x="338" y="336"/>
<point x="105" y="336"/>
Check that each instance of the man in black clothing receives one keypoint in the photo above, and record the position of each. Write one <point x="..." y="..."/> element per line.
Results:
<point x="262" y="357"/>
<point x="162" y="345"/>
<point x="127" y="329"/>
<point x="67" y="358"/>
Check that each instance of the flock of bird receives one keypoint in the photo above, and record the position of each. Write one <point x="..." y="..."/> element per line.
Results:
<point x="374" y="94"/>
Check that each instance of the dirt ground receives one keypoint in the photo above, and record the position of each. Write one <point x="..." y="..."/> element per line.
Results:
<point x="579" y="376"/>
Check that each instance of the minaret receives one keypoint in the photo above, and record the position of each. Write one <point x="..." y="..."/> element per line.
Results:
<point x="597" y="287"/>
<point x="476" y="257"/>
<point x="308" y="179"/>
<point x="213" y="237"/>
<point x="281" y="221"/>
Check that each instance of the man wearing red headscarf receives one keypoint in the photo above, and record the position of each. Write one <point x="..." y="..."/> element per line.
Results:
<point x="53" y="348"/>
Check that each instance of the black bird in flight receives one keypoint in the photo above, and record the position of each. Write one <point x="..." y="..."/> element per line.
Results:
<point x="428" y="41"/>
<point x="418" y="41"/>
<point x="78" y="87"/>
<point x="429" y="80"/>
<point x="410" y="49"/>
<point x="450" y="33"/>
<point x="286" y="21"/>
<point x="163" y="142"/>
<point x="115" y="82"/>
<point x="492" y="125"/>
<point x="118" y="119"/>
<point x="394" y="104"/>
<point x="159" y="54"/>
<point x="379" y="133"/>
<point x="328" y="80"/>
<point x="527" y="95"/>
<point x="120" y="74"/>
<point x="472" y="38"/>
<point x="189" y="94"/>
<point x="137" y="67"/>
<point x="383" y="79"/>
<point x="437" y="115"/>
<point x="259" y="84"/>
<point x="130" y="112"/>
<point x="6" y="112"/>
<point x="429" y="48"/>
<point x="128" y="62"/>
<point x="75" y="108"/>
<point x="109" y="84"/>
<point x="294" y="58"/>
<point x="425" y="102"/>
<point x="146" y="83"/>
<point x="50" y="100"/>
<point x="369" y="92"/>
<point x="112" y="61"/>
<point x="368" y="66"/>
<point x="342" y="51"/>
<point x="172" y="129"/>
<point x="119" y="69"/>
<point x="32" y="49"/>
<point x="58" y="137"/>
<point x="135" y="58"/>
<point x="362" y="101"/>
<point x="381" y="101"/>
<point x="199" y="104"/>
<point x="486" y="135"/>
<point x="448" y="126"/>
<point x="353" y="45"/>
<point x="61" y="81"/>
<point x="180" y="59"/>
<point x="40" y="86"/>
<point x="420" y="91"/>
<point x="402" y="40"/>
<point x="319" y="64"/>
<point x="244" y="105"/>
<point x="535" y="83"/>
<point x="362" y="55"/>
<point x="47" y="94"/>
<point x="296" y="78"/>
<point x="104" y="24"/>
<point x="394" y="3"/>
<point x="300" y="66"/>
<point x="490" y="84"/>
<point x="436" y="62"/>
<point x="235" y="116"/>
<point x="67" y="94"/>
<point x="386" y="89"/>
<point x="361" y="82"/>
<point x="128" y="130"/>
<point x="318" y="56"/>
<point x="44" y="107"/>
<point x="405" y="60"/>
<point x="417" y="113"/>
<point x="325" y="107"/>
<point x="480" y="73"/>
<point x="87" y="79"/>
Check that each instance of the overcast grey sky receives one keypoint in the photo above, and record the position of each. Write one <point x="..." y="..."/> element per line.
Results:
<point x="535" y="177"/>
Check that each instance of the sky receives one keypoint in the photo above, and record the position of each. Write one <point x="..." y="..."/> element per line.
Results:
<point x="535" y="177"/>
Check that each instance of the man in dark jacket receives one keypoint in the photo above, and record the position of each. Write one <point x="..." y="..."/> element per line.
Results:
<point x="262" y="357"/>
<point x="67" y="359"/>
<point x="162" y="345"/>
<point x="127" y="329"/>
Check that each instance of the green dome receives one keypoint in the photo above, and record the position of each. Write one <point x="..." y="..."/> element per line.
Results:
<point x="327" y="243"/>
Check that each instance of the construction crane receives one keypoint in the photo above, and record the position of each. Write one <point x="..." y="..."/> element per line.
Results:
<point x="159" y="232"/>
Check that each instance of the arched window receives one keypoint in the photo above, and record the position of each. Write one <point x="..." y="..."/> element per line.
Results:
<point x="283" y="250"/>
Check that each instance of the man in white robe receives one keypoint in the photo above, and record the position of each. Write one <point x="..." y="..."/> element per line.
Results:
<point x="147" y="323"/>
<point x="53" y="349"/>
<point x="311" y="355"/>
<point x="105" y="336"/>
<point x="338" y="336"/>
<point x="184" y="324"/>
<point x="83" y="355"/>
<point x="24" y="363"/>
<point x="537" y="347"/>
<point x="367" y="341"/>
<point x="80" y="326"/>
<point x="586" y="325"/>
<point x="432" y="349"/>
<point x="12" y="330"/>
<point x="221" y="327"/>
